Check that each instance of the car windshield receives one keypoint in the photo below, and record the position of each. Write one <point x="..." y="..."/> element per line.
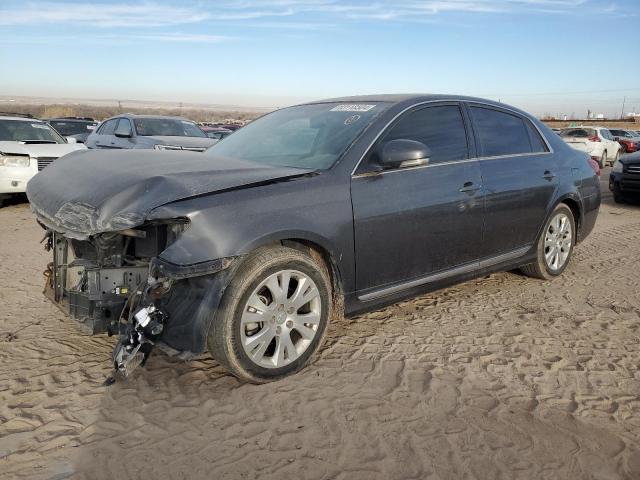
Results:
<point x="32" y="131"/>
<point x="620" y="133"/>
<point x="172" y="127"/>
<point x="305" y="136"/>
<point x="66" y="127"/>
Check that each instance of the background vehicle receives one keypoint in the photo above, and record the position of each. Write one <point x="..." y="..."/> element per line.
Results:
<point x="148" y="131"/>
<point x="627" y="138"/>
<point x="217" y="133"/>
<point x="596" y="141"/>
<point x="76" y="127"/>
<point x="27" y="145"/>
<point x="251" y="249"/>
<point x="624" y="179"/>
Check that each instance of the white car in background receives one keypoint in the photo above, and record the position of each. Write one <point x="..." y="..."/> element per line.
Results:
<point x="27" y="145"/>
<point x="596" y="141"/>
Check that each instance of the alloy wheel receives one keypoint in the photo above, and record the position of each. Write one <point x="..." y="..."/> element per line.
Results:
<point x="280" y="319"/>
<point x="558" y="241"/>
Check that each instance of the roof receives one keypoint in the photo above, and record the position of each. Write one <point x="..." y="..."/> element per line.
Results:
<point x="405" y="97"/>
<point x="135" y="115"/>
<point x="24" y="119"/>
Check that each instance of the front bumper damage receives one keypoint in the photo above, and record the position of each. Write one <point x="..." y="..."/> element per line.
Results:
<point x="118" y="284"/>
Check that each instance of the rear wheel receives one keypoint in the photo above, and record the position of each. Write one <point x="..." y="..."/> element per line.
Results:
<point x="615" y="158"/>
<point x="273" y="316"/>
<point x="555" y="245"/>
<point x="603" y="159"/>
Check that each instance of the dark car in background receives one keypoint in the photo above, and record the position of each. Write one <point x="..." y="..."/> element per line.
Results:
<point x="78" y="128"/>
<point x="624" y="179"/>
<point x="129" y="131"/>
<point x="344" y="205"/>
<point x="217" y="133"/>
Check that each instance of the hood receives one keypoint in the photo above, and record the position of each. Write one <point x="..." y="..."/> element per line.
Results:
<point x="97" y="191"/>
<point x="40" y="149"/>
<point x="182" y="141"/>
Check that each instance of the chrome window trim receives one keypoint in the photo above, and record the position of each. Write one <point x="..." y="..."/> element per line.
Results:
<point x="460" y="102"/>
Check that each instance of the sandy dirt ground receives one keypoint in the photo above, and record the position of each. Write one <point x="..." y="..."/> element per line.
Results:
<point x="504" y="377"/>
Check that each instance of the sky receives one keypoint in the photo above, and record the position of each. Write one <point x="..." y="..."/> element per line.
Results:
<point x="546" y="56"/>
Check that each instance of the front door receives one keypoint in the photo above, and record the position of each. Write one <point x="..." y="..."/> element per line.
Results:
<point x="412" y="222"/>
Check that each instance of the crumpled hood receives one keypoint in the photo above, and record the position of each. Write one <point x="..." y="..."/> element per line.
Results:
<point x="97" y="191"/>
<point x="40" y="149"/>
<point x="198" y="142"/>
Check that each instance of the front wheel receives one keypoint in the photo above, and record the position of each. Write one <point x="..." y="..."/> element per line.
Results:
<point x="273" y="315"/>
<point x="555" y="245"/>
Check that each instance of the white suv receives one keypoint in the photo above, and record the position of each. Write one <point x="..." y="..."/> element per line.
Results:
<point x="596" y="141"/>
<point x="27" y="145"/>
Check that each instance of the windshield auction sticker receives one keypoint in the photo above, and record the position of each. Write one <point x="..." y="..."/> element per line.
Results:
<point x="352" y="107"/>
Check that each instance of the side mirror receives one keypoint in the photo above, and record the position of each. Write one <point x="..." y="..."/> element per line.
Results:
<point x="403" y="153"/>
<point x="123" y="134"/>
<point x="71" y="139"/>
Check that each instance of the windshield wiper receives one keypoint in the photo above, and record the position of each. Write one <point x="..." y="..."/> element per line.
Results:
<point x="36" y="142"/>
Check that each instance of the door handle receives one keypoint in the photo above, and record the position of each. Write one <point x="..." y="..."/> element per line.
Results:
<point x="469" y="187"/>
<point x="548" y="175"/>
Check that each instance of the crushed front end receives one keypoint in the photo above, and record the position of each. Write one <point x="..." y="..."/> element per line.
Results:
<point x="116" y="283"/>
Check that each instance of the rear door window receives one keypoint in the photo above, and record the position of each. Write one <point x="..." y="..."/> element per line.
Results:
<point x="441" y="128"/>
<point x="500" y="133"/>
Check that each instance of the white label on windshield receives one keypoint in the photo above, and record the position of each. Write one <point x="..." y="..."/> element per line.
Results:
<point x="91" y="127"/>
<point x="352" y="107"/>
<point x="39" y="125"/>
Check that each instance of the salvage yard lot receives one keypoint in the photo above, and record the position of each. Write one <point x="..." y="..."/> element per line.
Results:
<point x="502" y="377"/>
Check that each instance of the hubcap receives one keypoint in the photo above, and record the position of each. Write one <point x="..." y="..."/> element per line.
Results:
<point x="280" y="319"/>
<point x="557" y="241"/>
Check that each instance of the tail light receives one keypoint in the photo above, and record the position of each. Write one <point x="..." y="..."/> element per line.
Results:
<point x="593" y="163"/>
<point x="595" y="138"/>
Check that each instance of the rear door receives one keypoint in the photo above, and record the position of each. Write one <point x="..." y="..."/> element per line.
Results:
<point x="519" y="178"/>
<point x="410" y="223"/>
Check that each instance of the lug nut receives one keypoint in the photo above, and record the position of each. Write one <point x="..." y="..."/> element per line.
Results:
<point x="289" y="323"/>
<point x="278" y="330"/>
<point x="290" y="311"/>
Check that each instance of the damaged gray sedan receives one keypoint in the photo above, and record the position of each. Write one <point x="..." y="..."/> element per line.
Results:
<point x="250" y="249"/>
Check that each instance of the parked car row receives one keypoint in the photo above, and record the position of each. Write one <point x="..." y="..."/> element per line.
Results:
<point x="28" y="145"/>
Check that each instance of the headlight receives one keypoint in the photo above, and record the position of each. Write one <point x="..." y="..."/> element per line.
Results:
<point x="167" y="147"/>
<point x="14" y="160"/>
<point x="617" y="167"/>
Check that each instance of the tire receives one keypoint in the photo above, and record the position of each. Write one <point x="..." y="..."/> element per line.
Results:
<point x="542" y="268"/>
<point x="603" y="160"/>
<point x="285" y="336"/>
<point x="617" y="195"/>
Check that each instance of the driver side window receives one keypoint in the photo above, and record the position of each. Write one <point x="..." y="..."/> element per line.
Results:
<point x="440" y="128"/>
